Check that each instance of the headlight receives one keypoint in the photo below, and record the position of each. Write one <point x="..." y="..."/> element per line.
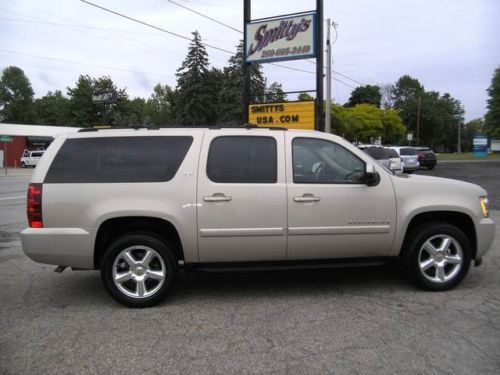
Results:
<point x="485" y="206"/>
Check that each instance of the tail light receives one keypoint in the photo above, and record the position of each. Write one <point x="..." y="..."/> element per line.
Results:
<point x="34" y="207"/>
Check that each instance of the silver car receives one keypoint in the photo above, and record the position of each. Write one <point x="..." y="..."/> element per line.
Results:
<point x="409" y="158"/>
<point x="385" y="156"/>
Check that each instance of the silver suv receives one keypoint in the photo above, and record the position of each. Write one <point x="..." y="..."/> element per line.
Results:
<point x="140" y="204"/>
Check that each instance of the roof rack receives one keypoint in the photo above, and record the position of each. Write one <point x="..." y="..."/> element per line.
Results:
<point x="247" y="126"/>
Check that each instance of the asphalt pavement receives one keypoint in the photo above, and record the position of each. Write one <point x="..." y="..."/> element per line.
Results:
<point x="344" y="321"/>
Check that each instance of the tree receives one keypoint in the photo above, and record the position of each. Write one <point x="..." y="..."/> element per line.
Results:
<point x="160" y="106"/>
<point x="52" y="109"/>
<point x="304" y="96"/>
<point x="365" y="123"/>
<point x="368" y="94"/>
<point x="275" y="93"/>
<point x="16" y="97"/>
<point x="231" y="95"/>
<point x="85" y="113"/>
<point x="471" y="128"/>
<point x="492" y="118"/>
<point x="195" y="101"/>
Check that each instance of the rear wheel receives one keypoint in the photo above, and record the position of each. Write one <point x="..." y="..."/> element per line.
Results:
<point x="23" y="164"/>
<point x="429" y="167"/>
<point x="138" y="270"/>
<point x="438" y="256"/>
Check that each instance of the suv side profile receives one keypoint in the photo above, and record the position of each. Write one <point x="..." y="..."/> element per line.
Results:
<point x="140" y="204"/>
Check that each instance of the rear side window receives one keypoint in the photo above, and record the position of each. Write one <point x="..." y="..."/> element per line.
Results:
<point x="36" y="154"/>
<point x="408" y="151"/>
<point x="247" y="159"/>
<point x="118" y="159"/>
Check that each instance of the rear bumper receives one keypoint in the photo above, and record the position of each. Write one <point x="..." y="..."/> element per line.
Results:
<point x="485" y="236"/>
<point x="72" y="247"/>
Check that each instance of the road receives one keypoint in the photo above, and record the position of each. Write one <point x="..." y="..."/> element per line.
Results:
<point x="361" y="320"/>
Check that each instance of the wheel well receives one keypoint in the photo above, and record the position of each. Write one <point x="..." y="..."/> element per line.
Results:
<point x="458" y="219"/>
<point x="114" y="228"/>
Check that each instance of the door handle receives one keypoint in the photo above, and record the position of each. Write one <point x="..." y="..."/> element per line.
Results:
<point x="217" y="197"/>
<point x="306" y="198"/>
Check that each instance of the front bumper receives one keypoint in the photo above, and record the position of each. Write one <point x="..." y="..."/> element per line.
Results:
<point x="72" y="247"/>
<point x="485" y="236"/>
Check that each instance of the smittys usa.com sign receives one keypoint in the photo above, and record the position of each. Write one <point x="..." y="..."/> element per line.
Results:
<point x="281" y="38"/>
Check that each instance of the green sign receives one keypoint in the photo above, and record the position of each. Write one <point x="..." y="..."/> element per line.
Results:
<point x="5" y="138"/>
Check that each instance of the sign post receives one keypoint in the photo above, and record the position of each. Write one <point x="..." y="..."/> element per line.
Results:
<point x="5" y="139"/>
<point x="282" y="38"/>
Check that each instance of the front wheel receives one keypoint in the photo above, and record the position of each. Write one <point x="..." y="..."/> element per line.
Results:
<point x="438" y="256"/>
<point x="138" y="270"/>
<point x="23" y="164"/>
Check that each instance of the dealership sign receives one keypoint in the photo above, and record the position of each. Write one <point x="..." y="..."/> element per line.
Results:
<point x="480" y="145"/>
<point x="292" y="115"/>
<point x="280" y="38"/>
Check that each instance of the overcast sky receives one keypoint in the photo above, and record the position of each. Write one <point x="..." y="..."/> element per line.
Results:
<point x="448" y="45"/>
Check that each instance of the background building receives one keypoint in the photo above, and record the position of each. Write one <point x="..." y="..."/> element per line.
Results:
<point x="26" y="137"/>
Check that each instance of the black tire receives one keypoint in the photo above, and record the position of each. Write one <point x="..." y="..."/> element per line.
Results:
<point x="429" y="167"/>
<point x="23" y="165"/>
<point x="414" y="256"/>
<point x="162" y="261"/>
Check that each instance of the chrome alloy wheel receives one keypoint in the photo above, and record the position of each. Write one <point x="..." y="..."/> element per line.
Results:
<point x="440" y="258"/>
<point x="139" y="271"/>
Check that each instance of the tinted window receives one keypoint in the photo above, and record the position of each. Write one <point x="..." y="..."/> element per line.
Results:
<point x="36" y="154"/>
<point x="378" y="153"/>
<point x="236" y="159"/>
<point x="118" y="159"/>
<point x="407" y="151"/>
<point x="392" y="153"/>
<point x="320" y="161"/>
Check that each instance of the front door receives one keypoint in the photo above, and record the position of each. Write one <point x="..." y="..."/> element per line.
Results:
<point x="332" y="213"/>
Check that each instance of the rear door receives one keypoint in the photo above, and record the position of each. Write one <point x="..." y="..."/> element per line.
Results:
<point x="241" y="196"/>
<point x="332" y="213"/>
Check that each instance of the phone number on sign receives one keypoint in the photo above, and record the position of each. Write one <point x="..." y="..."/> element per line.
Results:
<point x="286" y="51"/>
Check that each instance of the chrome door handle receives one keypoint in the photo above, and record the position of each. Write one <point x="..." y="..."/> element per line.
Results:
<point x="217" y="197"/>
<point x="306" y="198"/>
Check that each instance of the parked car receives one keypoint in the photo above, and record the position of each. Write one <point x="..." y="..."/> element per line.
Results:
<point x="386" y="157"/>
<point x="409" y="158"/>
<point x="426" y="157"/>
<point x="31" y="158"/>
<point x="141" y="204"/>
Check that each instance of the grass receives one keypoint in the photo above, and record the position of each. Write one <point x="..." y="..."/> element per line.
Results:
<point x="467" y="156"/>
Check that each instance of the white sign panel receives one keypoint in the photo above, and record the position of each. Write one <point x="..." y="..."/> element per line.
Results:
<point x="285" y="38"/>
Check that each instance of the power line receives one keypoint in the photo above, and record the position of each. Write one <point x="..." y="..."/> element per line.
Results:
<point x="205" y="16"/>
<point x="84" y="64"/>
<point x="152" y="26"/>
<point x="181" y="36"/>
<point x="342" y="82"/>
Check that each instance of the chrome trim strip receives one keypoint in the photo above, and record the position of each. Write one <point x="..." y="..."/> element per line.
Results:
<point x="359" y="229"/>
<point x="242" y="232"/>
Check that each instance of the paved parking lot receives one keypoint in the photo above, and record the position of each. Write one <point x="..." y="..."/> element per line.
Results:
<point x="361" y="321"/>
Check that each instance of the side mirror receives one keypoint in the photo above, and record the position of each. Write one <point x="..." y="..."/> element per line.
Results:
<point x="372" y="177"/>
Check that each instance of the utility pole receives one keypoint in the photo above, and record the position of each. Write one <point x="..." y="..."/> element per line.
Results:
<point x="319" y="67"/>
<point x="459" y="144"/>
<point x="247" y="17"/>
<point x="328" y="114"/>
<point x="418" y="120"/>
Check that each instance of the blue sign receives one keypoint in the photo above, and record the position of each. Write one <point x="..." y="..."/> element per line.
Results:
<point x="480" y="145"/>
